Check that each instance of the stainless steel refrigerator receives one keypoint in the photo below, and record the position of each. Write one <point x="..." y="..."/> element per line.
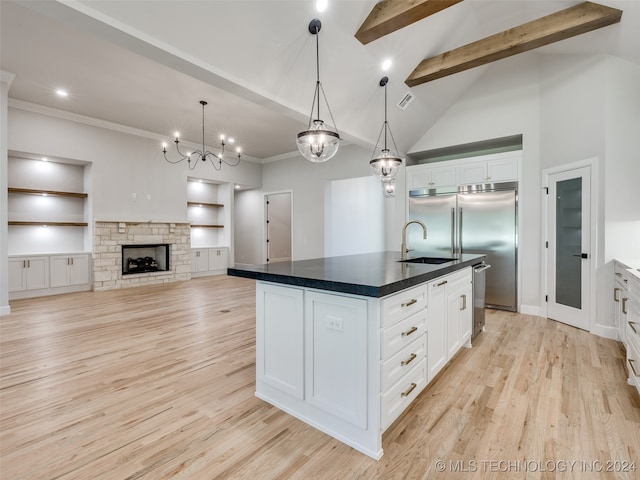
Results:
<point x="472" y="219"/>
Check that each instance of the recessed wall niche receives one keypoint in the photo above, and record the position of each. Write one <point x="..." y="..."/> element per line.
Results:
<point x="47" y="206"/>
<point x="208" y="213"/>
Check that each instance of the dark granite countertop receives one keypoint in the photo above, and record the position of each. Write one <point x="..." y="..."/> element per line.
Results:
<point x="368" y="274"/>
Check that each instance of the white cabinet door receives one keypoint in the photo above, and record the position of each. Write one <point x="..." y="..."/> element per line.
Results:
<point x="475" y="172"/>
<point x="199" y="260"/>
<point x="336" y="356"/>
<point x="218" y="259"/>
<point x="79" y="270"/>
<point x="502" y="170"/>
<point x="37" y="273"/>
<point x="443" y="176"/>
<point x="459" y="318"/>
<point x="17" y="274"/>
<point x="280" y="338"/>
<point x="59" y="271"/>
<point x="436" y="327"/>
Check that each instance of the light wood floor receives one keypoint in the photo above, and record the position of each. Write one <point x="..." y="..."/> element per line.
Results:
<point x="158" y="382"/>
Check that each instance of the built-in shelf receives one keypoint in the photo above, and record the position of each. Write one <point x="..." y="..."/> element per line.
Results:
<point x="52" y="224"/>
<point x="207" y="226"/>
<point x="201" y="204"/>
<point x="29" y="191"/>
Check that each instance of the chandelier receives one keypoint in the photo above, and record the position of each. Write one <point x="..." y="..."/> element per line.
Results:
<point x="318" y="143"/>
<point x="195" y="157"/>
<point x="386" y="165"/>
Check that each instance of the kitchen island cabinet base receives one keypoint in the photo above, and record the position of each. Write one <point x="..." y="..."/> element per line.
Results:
<point x="324" y="357"/>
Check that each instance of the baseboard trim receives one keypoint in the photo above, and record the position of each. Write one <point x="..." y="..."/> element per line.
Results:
<point x="533" y="310"/>
<point x="606" y="331"/>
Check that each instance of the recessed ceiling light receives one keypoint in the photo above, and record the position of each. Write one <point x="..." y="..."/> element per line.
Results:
<point x="386" y="64"/>
<point x="321" y="5"/>
<point x="45" y="159"/>
<point x="62" y="93"/>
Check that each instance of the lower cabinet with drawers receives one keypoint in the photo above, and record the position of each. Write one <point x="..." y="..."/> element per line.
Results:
<point x="632" y="334"/>
<point x="350" y="365"/>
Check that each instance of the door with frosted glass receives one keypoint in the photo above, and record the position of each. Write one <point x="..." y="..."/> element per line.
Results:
<point x="569" y="250"/>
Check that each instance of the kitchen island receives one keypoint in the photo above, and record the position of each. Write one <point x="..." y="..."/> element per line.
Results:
<point x="345" y="344"/>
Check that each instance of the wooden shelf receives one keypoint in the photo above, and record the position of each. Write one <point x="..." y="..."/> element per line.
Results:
<point x="201" y="204"/>
<point x="52" y="224"/>
<point x="207" y="226"/>
<point x="29" y="191"/>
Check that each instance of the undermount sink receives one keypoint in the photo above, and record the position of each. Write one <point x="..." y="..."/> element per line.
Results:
<point x="429" y="260"/>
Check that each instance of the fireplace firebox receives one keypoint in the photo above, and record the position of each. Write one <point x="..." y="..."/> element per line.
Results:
<point x="145" y="258"/>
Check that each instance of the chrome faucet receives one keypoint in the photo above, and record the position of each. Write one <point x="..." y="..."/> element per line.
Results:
<point x="404" y="249"/>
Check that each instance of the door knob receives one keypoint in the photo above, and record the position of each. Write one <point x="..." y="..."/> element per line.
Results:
<point x="582" y="255"/>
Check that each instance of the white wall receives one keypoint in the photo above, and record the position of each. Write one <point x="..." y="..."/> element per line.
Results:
<point x="248" y="227"/>
<point x="354" y="216"/>
<point x="307" y="180"/>
<point x="5" y="81"/>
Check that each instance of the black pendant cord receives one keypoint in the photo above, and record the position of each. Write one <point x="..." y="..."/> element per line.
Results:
<point x="318" y="71"/>
<point x="386" y="125"/>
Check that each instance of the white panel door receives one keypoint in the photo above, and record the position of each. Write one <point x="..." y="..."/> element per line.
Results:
<point x="569" y="250"/>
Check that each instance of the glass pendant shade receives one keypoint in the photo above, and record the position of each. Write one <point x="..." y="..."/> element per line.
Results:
<point x="386" y="166"/>
<point x="318" y="144"/>
<point x="388" y="188"/>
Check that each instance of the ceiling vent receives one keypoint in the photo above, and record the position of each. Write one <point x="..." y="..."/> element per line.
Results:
<point x="406" y="100"/>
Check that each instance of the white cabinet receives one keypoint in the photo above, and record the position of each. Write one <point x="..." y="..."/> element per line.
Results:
<point x="209" y="261"/>
<point x="632" y="334"/>
<point x="403" y="352"/>
<point x="428" y="176"/>
<point x="280" y="345"/>
<point x="218" y="259"/>
<point x="620" y="299"/>
<point x="68" y="270"/>
<point x="199" y="260"/>
<point x="449" y="318"/>
<point x="499" y="170"/>
<point x="28" y="273"/>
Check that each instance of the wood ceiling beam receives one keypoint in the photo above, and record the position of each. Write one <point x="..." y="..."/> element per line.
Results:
<point x="391" y="15"/>
<point x="561" y="25"/>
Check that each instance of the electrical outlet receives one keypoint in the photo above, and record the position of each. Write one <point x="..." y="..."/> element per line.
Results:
<point x="334" y="323"/>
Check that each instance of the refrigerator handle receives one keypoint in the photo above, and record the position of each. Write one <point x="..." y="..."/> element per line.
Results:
<point x="453" y="231"/>
<point x="460" y="231"/>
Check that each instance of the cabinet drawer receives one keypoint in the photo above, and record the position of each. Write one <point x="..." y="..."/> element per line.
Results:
<point x="402" y="334"/>
<point x="396" y="399"/>
<point x="402" y="305"/>
<point x="633" y="365"/>
<point x="397" y="366"/>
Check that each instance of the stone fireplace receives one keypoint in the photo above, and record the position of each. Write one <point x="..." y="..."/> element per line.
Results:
<point x="128" y="254"/>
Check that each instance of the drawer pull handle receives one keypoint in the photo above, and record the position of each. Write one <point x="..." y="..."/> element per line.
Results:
<point x="408" y="391"/>
<point x="631" y="362"/>
<point x="406" y="362"/>
<point x="444" y="282"/>
<point x="464" y="302"/>
<point x="409" y="303"/>
<point x="624" y="305"/>
<point x="409" y="332"/>
<point x="618" y="274"/>
<point x="631" y="324"/>
<point x="615" y="296"/>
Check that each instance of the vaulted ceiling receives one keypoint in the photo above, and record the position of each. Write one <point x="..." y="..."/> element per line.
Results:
<point x="147" y="64"/>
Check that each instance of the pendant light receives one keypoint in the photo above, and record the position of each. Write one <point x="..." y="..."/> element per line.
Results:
<point x="318" y="143"/>
<point x="386" y="165"/>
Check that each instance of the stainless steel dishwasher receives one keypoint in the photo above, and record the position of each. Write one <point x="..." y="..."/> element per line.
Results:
<point x="478" y="297"/>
